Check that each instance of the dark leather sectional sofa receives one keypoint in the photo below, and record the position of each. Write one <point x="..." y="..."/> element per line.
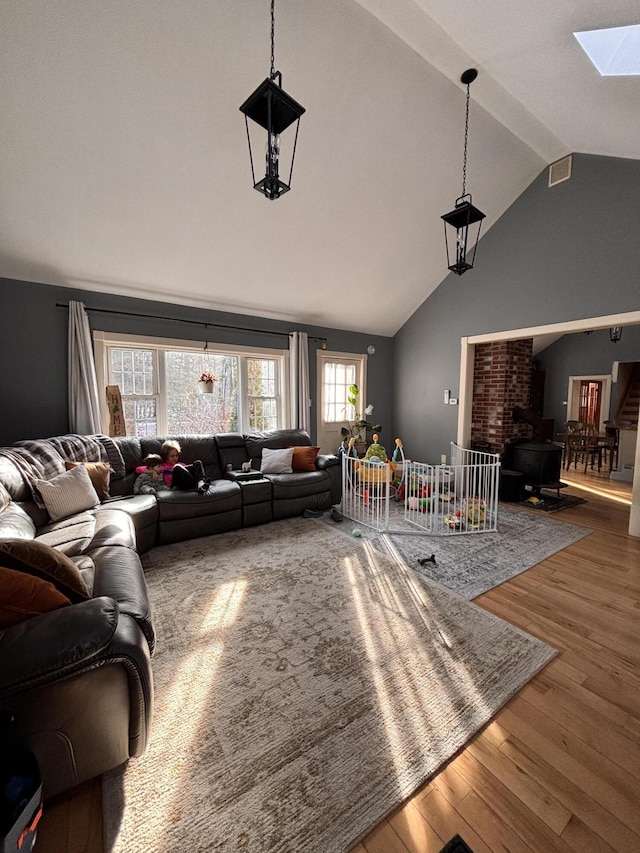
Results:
<point x="94" y="656"/>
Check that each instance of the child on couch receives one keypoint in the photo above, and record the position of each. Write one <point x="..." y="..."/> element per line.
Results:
<point x="149" y="481"/>
<point x="177" y="474"/>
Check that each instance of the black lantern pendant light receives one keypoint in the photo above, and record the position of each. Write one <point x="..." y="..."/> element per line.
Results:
<point x="272" y="109"/>
<point x="464" y="215"/>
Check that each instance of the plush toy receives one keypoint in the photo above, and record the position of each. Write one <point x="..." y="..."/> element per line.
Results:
<point x="351" y="450"/>
<point x="420" y="504"/>
<point x="375" y="450"/>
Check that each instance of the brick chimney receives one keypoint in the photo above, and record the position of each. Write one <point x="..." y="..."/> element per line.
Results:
<point x="502" y="380"/>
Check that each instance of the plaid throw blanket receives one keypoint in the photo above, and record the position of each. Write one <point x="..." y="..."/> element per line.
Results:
<point x="79" y="448"/>
<point x="43" y="459"/>
<point x="113" y="455"/>
<point x="31" y="469"/>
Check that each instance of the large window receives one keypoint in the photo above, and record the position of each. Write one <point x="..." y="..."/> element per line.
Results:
<point x="158" y="381"/>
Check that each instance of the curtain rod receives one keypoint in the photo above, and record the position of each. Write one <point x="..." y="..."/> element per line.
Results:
<point x="193" y="322"/>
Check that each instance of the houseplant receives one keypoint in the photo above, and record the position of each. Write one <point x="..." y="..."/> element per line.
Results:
<point x="358" y="426"/>
<point x="206" y="382"/>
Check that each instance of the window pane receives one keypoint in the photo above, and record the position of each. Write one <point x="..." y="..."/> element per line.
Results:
<point x="262" y="393"/>
<point x="263" y="414"/>
<point x="261" y="377"/>
<point x="337" y="379"/>
<point x="132" y="371"/>
<point x="140" y="416"/>
<point x="190" y="411"/>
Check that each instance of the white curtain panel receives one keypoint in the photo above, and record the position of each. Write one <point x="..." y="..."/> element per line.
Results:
<point x="84" y="406"/>
<point x="299" y="380"/>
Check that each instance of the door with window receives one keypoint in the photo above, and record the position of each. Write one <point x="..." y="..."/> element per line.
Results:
<point x="336" y="372"/>
<point x="590" y="400"/>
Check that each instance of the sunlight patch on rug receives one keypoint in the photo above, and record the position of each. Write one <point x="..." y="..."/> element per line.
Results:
<point x="470" y="564"/>
<point x="306" y="685"/>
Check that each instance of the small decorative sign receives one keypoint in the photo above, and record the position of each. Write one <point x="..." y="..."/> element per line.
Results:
<point x="116" y="415"/>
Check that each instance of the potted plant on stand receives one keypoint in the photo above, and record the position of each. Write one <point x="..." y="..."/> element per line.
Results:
<point x="206" y="382"/>
<point x="358" y="426"/>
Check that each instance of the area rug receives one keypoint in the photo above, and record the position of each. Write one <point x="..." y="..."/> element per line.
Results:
<point x="550" y="502"/>
<point x="470" y="564"/>
<point x="306" y="684"/>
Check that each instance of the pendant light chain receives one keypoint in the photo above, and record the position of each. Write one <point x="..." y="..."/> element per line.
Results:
<point x="273" y="39"/>
<point x="466" y="136"/>
<point x="461" y="248"/>
<point x="270" y="108"/>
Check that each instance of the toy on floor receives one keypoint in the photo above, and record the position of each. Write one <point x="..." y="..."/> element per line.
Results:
<point x="474" y="512"/>
<point x="425" y="560"/>
<point x="421" y="504"/>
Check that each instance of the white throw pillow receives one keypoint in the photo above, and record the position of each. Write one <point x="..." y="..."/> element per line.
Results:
<point x="68" y="493"/>
<point x="277" y="461"/>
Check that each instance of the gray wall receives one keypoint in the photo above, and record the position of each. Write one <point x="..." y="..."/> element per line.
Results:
<point x="583" y="355"/>
<point x="561" y="253"/>
<point x="557" y="254"/>
<point x="33" y="367"/>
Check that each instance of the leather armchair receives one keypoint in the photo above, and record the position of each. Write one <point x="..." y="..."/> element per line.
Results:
<point x="76" y="687"/>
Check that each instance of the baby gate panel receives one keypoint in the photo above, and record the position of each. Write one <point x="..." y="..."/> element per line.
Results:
<point x="412" y="497"/>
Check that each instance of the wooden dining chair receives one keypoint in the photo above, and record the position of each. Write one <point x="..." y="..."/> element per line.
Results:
<point x="573" y="443"/>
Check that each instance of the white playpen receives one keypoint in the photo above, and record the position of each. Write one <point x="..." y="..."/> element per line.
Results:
<point x="457" y="498"/>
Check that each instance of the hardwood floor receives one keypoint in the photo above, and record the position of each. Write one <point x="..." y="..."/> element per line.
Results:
<point x="559" y="767"/>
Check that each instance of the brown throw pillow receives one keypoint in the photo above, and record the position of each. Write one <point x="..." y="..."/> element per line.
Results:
<point x="304" y="459"/>
<point x="23" y="596"/>
<point x="44" y="562"/>
<point x="99" y="474"/>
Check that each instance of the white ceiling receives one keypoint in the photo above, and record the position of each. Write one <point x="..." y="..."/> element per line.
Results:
<point x="124" y="166"/>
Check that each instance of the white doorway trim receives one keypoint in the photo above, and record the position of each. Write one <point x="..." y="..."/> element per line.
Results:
<point x="465" y="393"/>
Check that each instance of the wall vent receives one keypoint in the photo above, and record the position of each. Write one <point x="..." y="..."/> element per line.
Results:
<point x="560" y="171"/>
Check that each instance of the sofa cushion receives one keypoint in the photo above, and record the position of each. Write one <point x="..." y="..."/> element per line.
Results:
<point x="305" y="484"/>
<point x="276" y="461"/>
<point x="15" y="523"/>
<point x="99" y="474"/>
<point x="222" y="496"/>
<point x="274" y="438"/>
<point x="5" y="498"/>
<point x="118" y="575"/>
<point x="68" y="493"/>
<point x="23" y="595"/>
<point x="304" y="459"/>
<point x="71" y="535"/>
<point x="113" y="527"/>
<point x="42" y="561"/>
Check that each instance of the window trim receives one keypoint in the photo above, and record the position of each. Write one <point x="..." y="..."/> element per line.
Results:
<point x="103" y="340"/>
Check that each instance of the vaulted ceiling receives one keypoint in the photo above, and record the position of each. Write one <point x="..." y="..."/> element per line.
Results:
<point x="124" y="165"/>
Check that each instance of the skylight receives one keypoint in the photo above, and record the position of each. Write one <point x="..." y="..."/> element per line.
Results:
<point x="615" y="52"/>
